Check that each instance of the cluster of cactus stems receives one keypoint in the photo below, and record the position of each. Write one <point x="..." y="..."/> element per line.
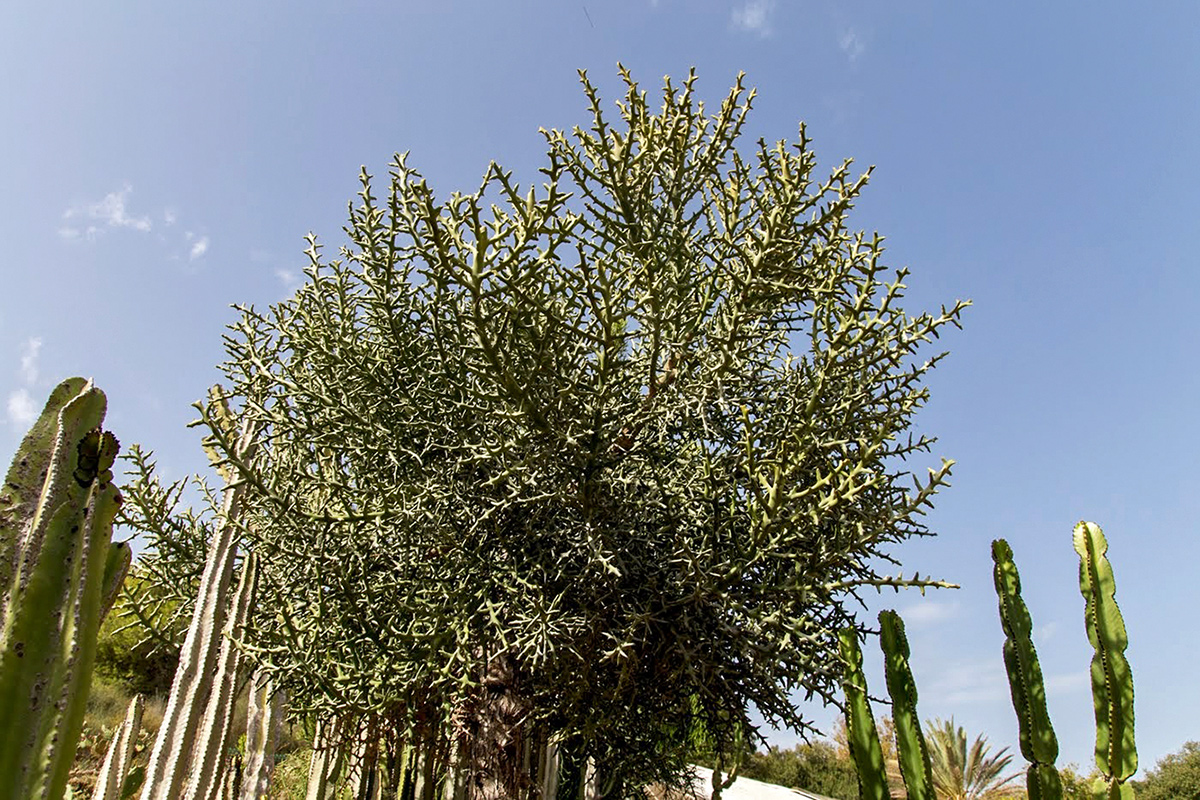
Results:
<point x="195" y="728"/>
<point x="1112" y="687"/>
<point x="347" y="761"/>
<point x="59" y="573"/>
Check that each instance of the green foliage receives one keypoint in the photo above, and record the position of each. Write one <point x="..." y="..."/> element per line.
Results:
<point x="638" y="432"/>
<point x="1174" y="777"/>
<point x="123" y="654"/>
<point x="157" y="601"/>
<point x="59" y="573"/>
<point x="1038" y="743"/>
<point x="816" y="767"/>
<point x="962" y="773"/>
<point x="1075" y="784"/>
<point x="1112" y="680"/>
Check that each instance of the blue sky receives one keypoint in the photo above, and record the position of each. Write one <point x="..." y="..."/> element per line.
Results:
<point x="161" y="162"/>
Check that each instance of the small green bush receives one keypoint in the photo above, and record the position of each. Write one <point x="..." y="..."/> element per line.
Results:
<point x="125" y="656"/>
<point x="815" y="767"/>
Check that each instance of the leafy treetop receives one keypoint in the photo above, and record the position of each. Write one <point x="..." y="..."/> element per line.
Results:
<point x="639" y="432"/>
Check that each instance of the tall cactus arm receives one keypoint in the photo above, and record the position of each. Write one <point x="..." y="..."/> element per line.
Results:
<point x="116" y="567"/>
<point x="1112" y="680"/>
<point x="263" y="719"/>
<point x="26" y="477"/>
<point x="83" y="631"/>
<point x="1038" y="743"/>
<point x="862" y="736"/>
<point x="120" y="753"/>
<point x="910" y="743"/>
<point x="208" y="761"/>
<point x="170" y="757"/>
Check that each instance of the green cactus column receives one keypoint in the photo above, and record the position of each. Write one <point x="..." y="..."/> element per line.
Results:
<point x="59" y="572"/>
<point x="910" y="743"/>
<point x="1038" y="743"/>
<point x="199" y="659"/>
<point x="1112" y="680"/>
<point x="861" y="734"/>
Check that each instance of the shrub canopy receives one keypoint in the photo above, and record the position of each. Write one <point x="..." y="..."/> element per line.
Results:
<point x="640" y="432"/>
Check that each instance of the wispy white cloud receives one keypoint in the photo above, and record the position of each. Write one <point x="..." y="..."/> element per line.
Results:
<point x="929" y="612"/>
<point x="754" y="16"/>
<point x="852" y="44"/>
<point x="1044" y="633"/>
<point x="969" y="682"/>
<point x="287" y="278"/>
<point x="110" y="212"/>
<point x="199" y="248"/>
<point x="1068" y="682"/>
<point x="21" y="411"/>
<point x="29" y="359"/>
<point x="169" y="216"/>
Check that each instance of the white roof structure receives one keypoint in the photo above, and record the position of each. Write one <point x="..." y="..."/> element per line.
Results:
<point x="748" y="789"/>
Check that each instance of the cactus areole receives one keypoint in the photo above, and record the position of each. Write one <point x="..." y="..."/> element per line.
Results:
<point x="607" y="454"/>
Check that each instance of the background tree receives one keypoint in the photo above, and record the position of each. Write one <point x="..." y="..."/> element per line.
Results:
<point x="962" y="773"/>
<point x="1077" y="785"/>
<point x="607" y="457"/>
<point x="1175" y="776"/>
<point x="817" y="766"/>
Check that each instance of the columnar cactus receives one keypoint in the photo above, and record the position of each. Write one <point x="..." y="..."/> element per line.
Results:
<point x="212" y="740"/>
<point x="861" y="734"/>
<point x="120" y="753"/>
<point x="549" y="768"/>
<point x="1038" y="743"/>
<point x="198" y="659"/>
<point x="910" y="743"/>
<point x="1112" y="681"/>
<point x="263" y="718"/>
<point x="59" y="572"/>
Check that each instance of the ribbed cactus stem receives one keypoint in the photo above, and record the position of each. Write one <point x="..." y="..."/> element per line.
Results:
<point x="120" y="753"/>
<point x="550" y="768"/>
<point x="861" y="734"/>
<point x="21" y="494"/>
<point x="263" y="719"/>
<point x="212" y="740"/>
<point x="171" y="756"/>
<point x="59" y="570"/>
<point x="328" y="758"/>
<point x="102" y="569"/>
<point x="910" y="743"/>
<point x="1038" y="743"/>
<point x="1112" y="680"/>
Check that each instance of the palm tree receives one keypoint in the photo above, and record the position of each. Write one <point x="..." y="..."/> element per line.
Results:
<point x="962" y="774"/>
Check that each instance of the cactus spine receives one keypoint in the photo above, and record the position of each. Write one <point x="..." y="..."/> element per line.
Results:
<point x="120" y="753"/>
<point x="1038" y="743"/>
<point x="171" y="756"/>
<point x="59" y="571"/>
<point x="1112" y="681"/>
<point x="862" y="736"/>
<point x="910" y="743"/>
